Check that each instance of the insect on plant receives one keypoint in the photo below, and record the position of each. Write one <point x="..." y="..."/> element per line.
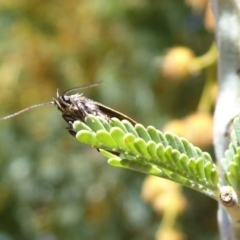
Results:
<point x="77" y="107"/>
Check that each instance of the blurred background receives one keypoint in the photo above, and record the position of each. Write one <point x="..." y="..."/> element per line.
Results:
<point x="156" y="60"/>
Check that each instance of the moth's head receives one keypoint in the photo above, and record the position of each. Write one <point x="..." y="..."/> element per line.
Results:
<point x="67" y="103"/>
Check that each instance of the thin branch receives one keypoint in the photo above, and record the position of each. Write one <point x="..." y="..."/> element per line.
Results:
<point x="228" y="42"/>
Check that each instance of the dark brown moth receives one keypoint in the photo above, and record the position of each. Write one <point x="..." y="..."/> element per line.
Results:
<point x="76" y="107"/>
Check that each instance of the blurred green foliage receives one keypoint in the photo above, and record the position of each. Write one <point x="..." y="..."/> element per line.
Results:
<point x="52" y="187"/>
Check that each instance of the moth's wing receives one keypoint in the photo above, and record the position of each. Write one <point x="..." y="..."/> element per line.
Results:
<point x="113" y="113"/>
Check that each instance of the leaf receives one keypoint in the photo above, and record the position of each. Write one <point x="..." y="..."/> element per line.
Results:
<point x="78" y="125"/>
<point x="231" y="179"/>
<point x="156" y="171"/>
<point x="130" y="128"/>
<point x="106" y="138"/>
<point x="214" y="177"/>
<point x="150" y="151"/>
<point x="88" y="138"/>
<point x="233" y="174"/>
<point x="236" y="124"/>
<point x="171" y="140"/>
<point x="141" y="147"/>
<point x="163" y="139"/>
<point x="184" y="163"/>
<point x="94" y="123"/>
<point x="117" y="123"/>
<point x="151" y="148"/>
<point x="161" y="154"/>
<point x="231" y="162"/>
<point x="189" y="149"/>
<point x="234" y="169"/>
<point x="200" y="168"/>
<point x="129" y="139"/>
<point x="153" y="134"/>
<point x="206" y="156"/>
<point x="236" y="159"/>
<point x="117" y="135"/>
<point x="179" y="144"/>
<point x="168" y="154"/>
<point x="207" y="171"/>
<point x="192" y="167"/>
<point x="142" y="132"/>
<point x="105" y="123"/>
<point x="176" y="155"/>
<point x="115" y="162"/>
<point x="108" y="154"/>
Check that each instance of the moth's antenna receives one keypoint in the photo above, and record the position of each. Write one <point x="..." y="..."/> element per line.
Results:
<point x="82" y="87"/>
<point x="48" y="103"/>
<point x="26" y="109"/>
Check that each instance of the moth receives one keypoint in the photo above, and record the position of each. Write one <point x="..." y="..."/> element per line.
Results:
<point x="77" y="107"/>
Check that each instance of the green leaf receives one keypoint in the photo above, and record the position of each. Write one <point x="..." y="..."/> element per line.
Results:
<point x="171" y="140"/>
<point x="130" y="128"/>
<point x="236" y="159"/>
<point x="88" y="138"/>
<point x="190" y="150"/>
<point x="151" y="148"/>
<point x="163" y="139"/>
<point x="156" y="171"/>
<point x="231" y="162"/>
<point x="145" y="168"/>
<point x="151" y="152"/>
<point x="200" y="168"/>
<point x="192" y="165"/>
<point x="153" y="134"/>
<point x="117" y="135"/>
<point x="238" y="151"/>
<point x="176" y="158"/>
<point x="168" y="154"/>
<point x="233" y="171"/>
<point x="94" y="123"/>
<point x="231" y="179"/>
<point x="141" y="147"/>
<point x="228" y="156"/>
<point x="184" y="163"/>
<point x="161" y="154"/>
<point x="207" y="157"/>
<point x="105" y="123"/>
<point x="115" y="162"/>
<point x="129" y="139"/>
<point x="106" y="138"/>
<point x="214" y="177"/>
<point x="142" y="132"/>
<point x="117" y="123"/>
<point x="208" y="171"/>
<point x="108" y="154"/>
<point x="236" y="124"/>
<point x="179" y="144"/>
<point x="125" y="163"/>
<point x="78" y="126"/>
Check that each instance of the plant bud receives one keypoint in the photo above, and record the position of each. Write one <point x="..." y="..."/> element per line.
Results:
<point x="176" y="63"/>
<point x="171" y="233"/>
